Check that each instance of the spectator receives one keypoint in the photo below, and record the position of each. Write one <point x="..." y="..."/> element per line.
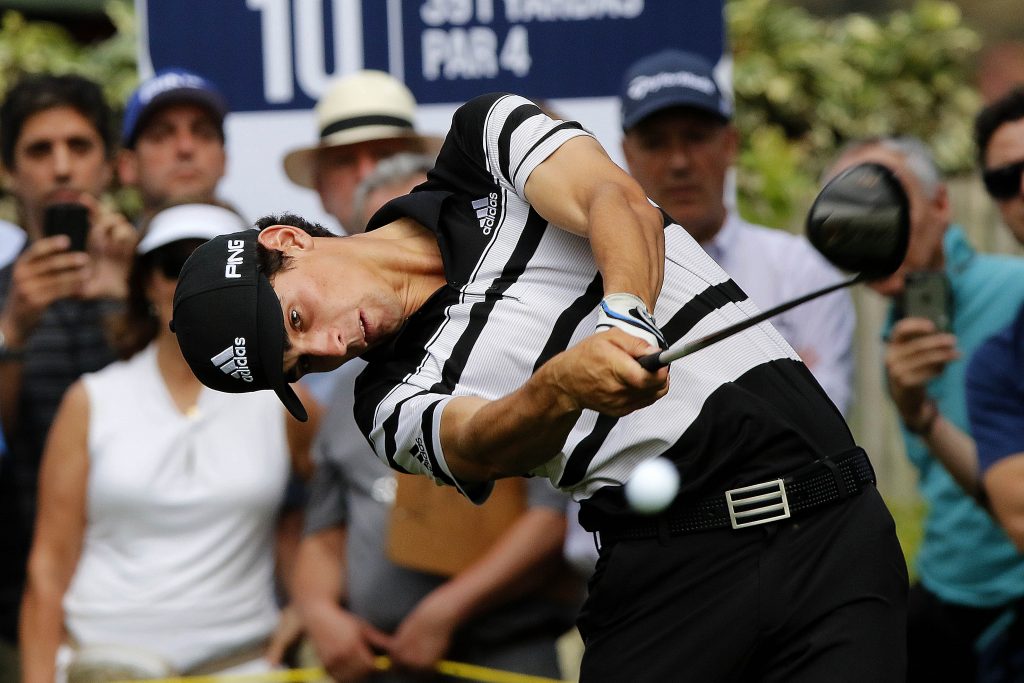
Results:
<point x="56" y="146"/>
<point x="392" y="178"/>
<point x="361" y="586"/>
<point x="999" y="132"/>
<point x="994" y="389"/>
<point x="967" y="569"/>
<point x="184" y="481"/>
<point x="362" y="117"/>
<point x="173" y="151"/>
<point x="461" y="582"/>
<point x="173" y="140"/>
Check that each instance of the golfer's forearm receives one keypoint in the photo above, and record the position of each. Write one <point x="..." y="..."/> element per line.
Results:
<point x="485" y="440"/>
<point x="628" y="242"/>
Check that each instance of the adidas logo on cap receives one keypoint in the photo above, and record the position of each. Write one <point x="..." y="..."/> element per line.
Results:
<point x="486" y="211"/>
<point x="234" y="361"/>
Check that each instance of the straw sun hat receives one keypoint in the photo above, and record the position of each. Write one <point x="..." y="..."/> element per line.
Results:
<point x="366" y="105"/>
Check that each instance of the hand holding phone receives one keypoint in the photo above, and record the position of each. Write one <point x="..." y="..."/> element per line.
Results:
<point x="68" y="219"/>
<point x="927" y="294"/>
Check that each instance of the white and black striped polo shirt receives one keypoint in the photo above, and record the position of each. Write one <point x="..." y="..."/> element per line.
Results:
<point x="521" y="290"/>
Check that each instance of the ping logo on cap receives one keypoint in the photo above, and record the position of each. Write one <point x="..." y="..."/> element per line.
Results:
<point x="234" y="361"/>
<point x="235" y="249"/>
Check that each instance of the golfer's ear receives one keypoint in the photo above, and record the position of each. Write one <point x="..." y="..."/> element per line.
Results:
<point x="285" y="238"/>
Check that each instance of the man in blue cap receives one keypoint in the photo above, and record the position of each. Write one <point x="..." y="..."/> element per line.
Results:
<point x="679" y="143"/>
<point x="173" y="140"/>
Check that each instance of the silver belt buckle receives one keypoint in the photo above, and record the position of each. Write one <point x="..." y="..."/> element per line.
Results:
<point x="767" y="498"/>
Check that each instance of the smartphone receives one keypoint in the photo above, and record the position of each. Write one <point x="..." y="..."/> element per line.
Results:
<point x="68" y="219"/>
<point x="927" y="294"/>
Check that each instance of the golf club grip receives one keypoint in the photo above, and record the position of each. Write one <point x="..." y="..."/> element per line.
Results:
<point x="654" y="361"/>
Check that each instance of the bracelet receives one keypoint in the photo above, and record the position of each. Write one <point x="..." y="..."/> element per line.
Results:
<point x="925" y="427"/>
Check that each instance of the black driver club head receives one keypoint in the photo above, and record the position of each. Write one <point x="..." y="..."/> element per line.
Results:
<point x="860" y="221"/>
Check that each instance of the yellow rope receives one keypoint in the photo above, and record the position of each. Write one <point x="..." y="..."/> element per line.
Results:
<point x="469" y="672"/>
<point x="482" y="674"/>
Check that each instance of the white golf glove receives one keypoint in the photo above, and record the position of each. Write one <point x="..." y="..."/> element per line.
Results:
<point x="629" y="313"/>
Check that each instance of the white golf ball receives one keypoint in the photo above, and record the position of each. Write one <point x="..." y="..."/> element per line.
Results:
<point x="653" y="486"/>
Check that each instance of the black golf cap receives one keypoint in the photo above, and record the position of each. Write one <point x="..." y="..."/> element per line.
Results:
<point x="228" y="320"/>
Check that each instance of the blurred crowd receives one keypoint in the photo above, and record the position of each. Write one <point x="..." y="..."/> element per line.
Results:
<point x="151" y="527"/>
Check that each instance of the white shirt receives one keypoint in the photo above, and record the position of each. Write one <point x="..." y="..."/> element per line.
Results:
<point x="774" y="266"/>
<point x="177" y="555"/>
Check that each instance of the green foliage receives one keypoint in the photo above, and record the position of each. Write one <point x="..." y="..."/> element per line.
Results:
<point x="909" y="517"/>
<point x="113" y="62"/>
<point x="804" y="86"/>
<point x="39" y="46"/>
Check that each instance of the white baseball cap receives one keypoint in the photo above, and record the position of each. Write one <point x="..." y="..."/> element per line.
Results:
<point x="188" y="221"/>
<point x="362" y="106"/>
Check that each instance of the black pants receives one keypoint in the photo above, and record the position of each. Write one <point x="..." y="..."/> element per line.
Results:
<point x="941" y="637"/>
<point x="818" y="598"/>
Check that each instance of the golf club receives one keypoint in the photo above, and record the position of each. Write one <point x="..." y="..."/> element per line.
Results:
<point x="860" y="222"/>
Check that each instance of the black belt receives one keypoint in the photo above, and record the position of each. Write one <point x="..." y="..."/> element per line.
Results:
<point x="822" y="482"/>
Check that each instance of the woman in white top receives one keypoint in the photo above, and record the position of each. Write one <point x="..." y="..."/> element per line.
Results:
<point x="159" y="499"/>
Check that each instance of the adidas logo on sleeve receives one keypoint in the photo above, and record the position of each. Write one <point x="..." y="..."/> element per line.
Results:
<point x="486" y="211"/>
<point x="234" y="361"/>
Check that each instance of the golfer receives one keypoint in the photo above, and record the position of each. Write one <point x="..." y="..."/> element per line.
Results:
<point x="501" y="307"/>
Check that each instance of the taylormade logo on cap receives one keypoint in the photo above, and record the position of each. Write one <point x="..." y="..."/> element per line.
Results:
<point x="235" y="249"/>
<point x="234" y="361"/>
<point x="642" y="86"/>
<point x="671" y="79"/>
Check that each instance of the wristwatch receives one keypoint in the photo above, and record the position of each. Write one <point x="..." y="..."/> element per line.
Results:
<point x="7" y="353"/>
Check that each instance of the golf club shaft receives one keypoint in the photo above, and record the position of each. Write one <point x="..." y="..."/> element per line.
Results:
<point x="657" y="360"/>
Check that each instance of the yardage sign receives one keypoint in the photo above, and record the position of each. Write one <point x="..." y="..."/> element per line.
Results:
<point x="279" y="54"/>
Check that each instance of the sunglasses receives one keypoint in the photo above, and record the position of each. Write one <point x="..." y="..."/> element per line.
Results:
<point x="1004" y="182"/>
<point x="169" y="259"/>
